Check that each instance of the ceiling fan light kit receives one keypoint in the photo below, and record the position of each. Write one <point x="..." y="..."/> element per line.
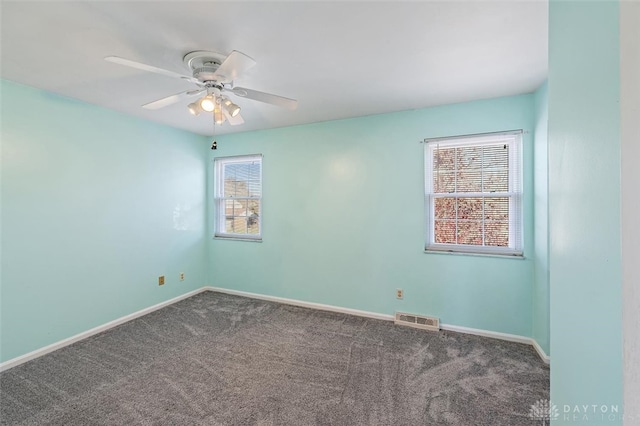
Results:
<point x="194" y="108"/>
<point x="208" y="103"/>
<point x="231" y="108"/>
<point x="215" y="74"/>
<point x="218" y="115"/>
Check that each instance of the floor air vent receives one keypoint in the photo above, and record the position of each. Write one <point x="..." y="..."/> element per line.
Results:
<point x="426" y="323"/>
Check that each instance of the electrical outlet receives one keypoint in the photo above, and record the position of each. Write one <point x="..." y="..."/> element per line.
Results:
<point x="181" y="276"/>
<point x="399" y="293"/>
<point x="161" y="280"/>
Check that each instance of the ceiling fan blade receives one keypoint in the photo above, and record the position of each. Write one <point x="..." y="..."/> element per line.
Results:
<point x="149" y="68"/>
<point x="235" y="64"/>
<point x="169" y="100"/>
<point x="265" y="97"/>
<point x="234" y="121"/>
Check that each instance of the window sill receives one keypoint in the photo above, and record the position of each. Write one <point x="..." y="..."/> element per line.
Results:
<point x="462" y="253"/>
<point x="251" y="240"/>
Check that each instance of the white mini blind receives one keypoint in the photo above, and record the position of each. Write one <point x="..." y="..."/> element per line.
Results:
<point x="473" y="193"/>
<point x="238" y="196"/>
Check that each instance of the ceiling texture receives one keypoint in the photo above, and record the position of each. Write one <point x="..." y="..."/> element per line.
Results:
<point x="338" y="59"/>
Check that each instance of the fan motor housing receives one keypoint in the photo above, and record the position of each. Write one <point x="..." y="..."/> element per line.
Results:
<point x="203" y="64"/>
<point x="206" y="73"/>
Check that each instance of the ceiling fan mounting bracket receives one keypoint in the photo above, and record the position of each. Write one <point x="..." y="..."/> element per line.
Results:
<point x="203" y="64"/>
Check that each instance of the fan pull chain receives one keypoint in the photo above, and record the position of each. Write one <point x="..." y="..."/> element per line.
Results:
<point x="214" y="144"/>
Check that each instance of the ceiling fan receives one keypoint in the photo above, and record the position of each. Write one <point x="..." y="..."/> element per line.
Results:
<point x="214" y="76"/>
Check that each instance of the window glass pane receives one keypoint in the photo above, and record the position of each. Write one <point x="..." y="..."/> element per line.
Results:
<point x="444" y="182"/>
<point x="253" y="220"/>
<point x="469" y="169"/>
<point x="495" y="157"/>
<point x="445" y="231"/>
<point x="240" y="214"/>
<point x="496" y="208"/>
<point x="470" y="208"/>
<point x="229" y="189"/>
<point x="230" y="171"/>
<point x="469" y="158"/>
<point x="241" y="171"/>
<point x="228" y="225"/>
<point x="496" y="181"/>
<point x="444" y="159"/>
<point x="229" y="207"/>
<point x="470" y="232"/>
<point x="445" y="208"/>
<point x="254" y="171"/>
<point x="254" y="188"/>
<point x="242" y="189"/>
<point x="240" y="208"/>
<point x="496" y="234"/>
<point x="253" y="227"/>
<point x="253" y="208"/>
<point x="469" y="180"/>
<point x="239" y="225"/>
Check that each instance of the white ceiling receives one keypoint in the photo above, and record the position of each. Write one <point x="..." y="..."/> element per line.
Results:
<point x="339" y="59"/>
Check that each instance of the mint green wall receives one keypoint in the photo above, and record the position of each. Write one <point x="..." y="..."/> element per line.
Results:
<point x="540" y="221"/>
<point x="630" y="206"/>
<point x="344" y="219"/>
<point x="584" y="205"/>
<point x="95" y="206"/>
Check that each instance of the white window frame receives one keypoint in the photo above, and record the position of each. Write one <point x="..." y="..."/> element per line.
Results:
<point x="515" y="193"/>
<point x="219" y="200"/>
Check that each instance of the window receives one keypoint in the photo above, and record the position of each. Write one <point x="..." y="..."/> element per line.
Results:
<point x="473" y="190"/>
<point x="238" y="197"/>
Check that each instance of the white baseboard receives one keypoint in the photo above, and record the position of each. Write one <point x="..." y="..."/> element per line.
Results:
<point x="486" y="333"/>
<point x="501" y="336"/>
<point x="546" y="358"/>
<point x="70" y="340"/>
<point x="66" y="342"/>
<point x="375" y="315"/>
<point x="304" y="304"/>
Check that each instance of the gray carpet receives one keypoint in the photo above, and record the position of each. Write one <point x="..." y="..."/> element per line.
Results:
<point x="216" y="359"/>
